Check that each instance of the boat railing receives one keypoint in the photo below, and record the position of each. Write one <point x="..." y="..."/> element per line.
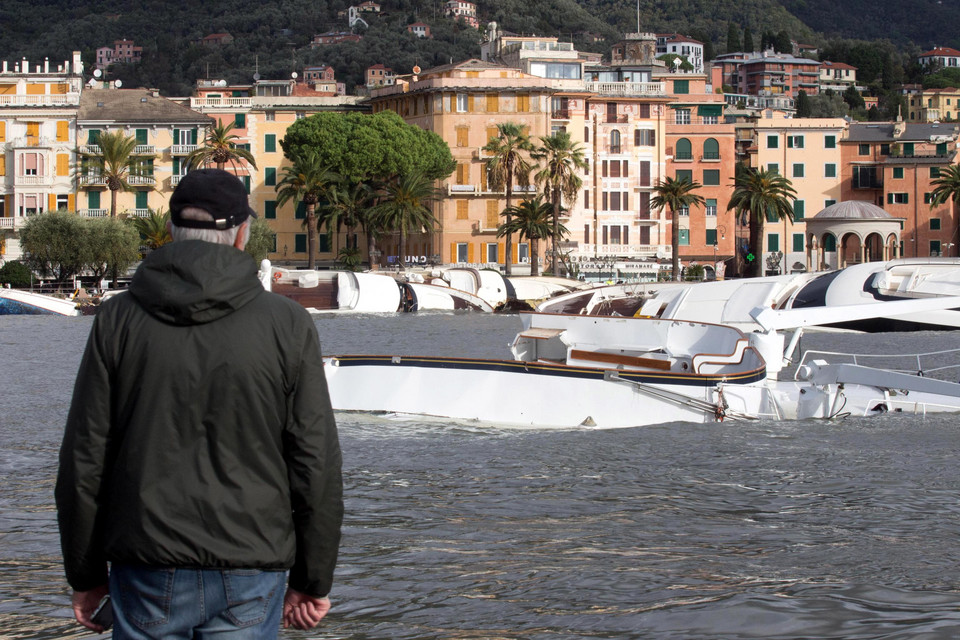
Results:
<point x="933" y="364"/>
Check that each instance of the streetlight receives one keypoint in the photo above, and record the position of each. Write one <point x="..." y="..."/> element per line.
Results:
<point x="946" y="249"/>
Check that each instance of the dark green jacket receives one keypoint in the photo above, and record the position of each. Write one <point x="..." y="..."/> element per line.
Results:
<point x="200" y="432"/>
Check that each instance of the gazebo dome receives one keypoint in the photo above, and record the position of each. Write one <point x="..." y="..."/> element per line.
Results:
<point x="853" y="210"/>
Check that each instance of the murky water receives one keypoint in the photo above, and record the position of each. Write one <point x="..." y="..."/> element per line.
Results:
<point x="764" y="530"/>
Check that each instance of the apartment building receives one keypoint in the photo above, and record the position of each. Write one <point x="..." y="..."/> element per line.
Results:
<point x="768" y="74"/>
<point x="165" y="131"/>
<point x="806" y="151"/>
<point x="261" y="113"/>
<point x="462" y="10"/>
<point x="940" y="56"/>
<point x="893" y="165"/>
<point x="838" y="77"/>
<point x="38" y="113"/>
<point x="677" y="44"/>
<point x="463" y="103"/>
<point x="933" y="105"/>
<point x="122" y="51"/>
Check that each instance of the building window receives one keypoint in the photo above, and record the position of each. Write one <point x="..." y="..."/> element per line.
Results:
<point x="463" y="252"/>
<point x="63" y="202"/>
<point x="270" y="116"/>
<point x="684" y="149"/>
<point x="684" y="237"/>
<point x="798" y="242"/>
<point x="684" y="174"/>
<point x="300" y="115"/>
<point x="799" y="209"/>
<point x="300" y="213"/>
<point x="300" y="243"/>
<point x="829" y="203"/>
<point x="462" y="106"/>
<point x="934" y="224"/>
<point x="711" y="177"/>
<point x="711" y="207"/>
<point x="773" y="242"/>
<point x="586" y="134"/>
<point x="681" y="116"/>
<point x="492" y="257"/>
<point x="934" y="172"/>
<point x="863" y="149"/>
<point x="614" y="141"/>
<point x="830" y="142"/>
<point x="684" y="212"/>
<point x="773" y="167"/>
<point x="830" y="170"/>
<point x="240" y="121"/>
<point x="643" y="138"/>
<point x="773" y="141"/>
<point x="711" y="239"/>
<point x="898" y="173"/>
<point x="798" y="170"/>
<point x="140" y="200"/>
<point x="270" y="209"/>
<point x="270" y="142"/>
<point x="681" y="86"/>
<point x="270" y="176"/>
<point x="927" y="198"/>
<point x="794" y="142"/>
<point x="711" y="149"/>
<point x="898" y="198"/>
<point x="935" y="247"/>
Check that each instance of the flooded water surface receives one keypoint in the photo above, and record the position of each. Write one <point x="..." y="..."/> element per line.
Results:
<point x="805" y="529"/>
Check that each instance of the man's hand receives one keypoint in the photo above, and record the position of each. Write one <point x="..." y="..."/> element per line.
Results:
<point x="301" y="611"/>
<point x="85" y="603"/>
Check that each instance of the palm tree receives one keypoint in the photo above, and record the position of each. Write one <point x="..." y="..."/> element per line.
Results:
<point x="219" y="147"/>
<point x="562" y="159"/>
<point x="676" y="195"/>
<point x="947" y="187"/>
<point x="507" y="164"/>
<point x="759" y="194"/>
<point x="153" y="229"/>
<point x="533" y="220"/>
<point x="404" y="207"/>
<point x="305" y="180"/>
<point x="116" y="163"/>
<point x="345" y="206"/>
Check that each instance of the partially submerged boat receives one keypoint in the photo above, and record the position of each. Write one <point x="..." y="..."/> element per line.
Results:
<point x="604" y="371"/>
<point x="17" y="302"/>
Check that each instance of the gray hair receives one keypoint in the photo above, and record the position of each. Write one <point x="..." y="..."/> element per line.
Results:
<point x="216" y="236"/>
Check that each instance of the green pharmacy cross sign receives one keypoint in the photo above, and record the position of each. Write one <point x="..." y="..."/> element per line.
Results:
<point x="751" y="257"/>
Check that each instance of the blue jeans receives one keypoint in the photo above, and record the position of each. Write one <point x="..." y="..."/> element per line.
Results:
<point x="174" y="604"/>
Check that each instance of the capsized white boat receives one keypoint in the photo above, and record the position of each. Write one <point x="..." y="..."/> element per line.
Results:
<point x="603" y="371"/>
<point x="16" y="302"/>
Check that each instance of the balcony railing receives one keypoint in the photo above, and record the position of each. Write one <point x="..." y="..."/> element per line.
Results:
<point x="560" y="114"/>
<point x="228" y="102"/>
<point x="62" y="99"/>
<point x="175" y="180"/>
<point x="183" y="149"/>
<point x="11" y="223"/>
<point x="141" y="180"/>
<point x="93" y="213"/>
<point x="90" y="149"/>
<point x="627" y="89"/>
<point x="92" y="179"/>
<point x="32" y="181"/>
<point x="588" y="251"/>
<point x="144" y="150"/>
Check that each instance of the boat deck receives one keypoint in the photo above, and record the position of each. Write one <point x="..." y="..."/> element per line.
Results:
<point x="323" y="296"/>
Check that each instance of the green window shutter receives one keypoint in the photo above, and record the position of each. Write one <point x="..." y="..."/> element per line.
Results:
<point x="789" y="142"/>
<point x="934" y="172"/>
<point x="141" y="200"/>
<point x="898" y="173"/>
<point x="711" y="177"/>
<point x="773" y="242"/>
<point x="684" y="237"/>
<point x="830" y="142"/>
<point x="829" y="203"/>
<point x="246" y="183"/>
<point x="240" y="121"/>
<point x="273" y="243"/>
<point x="193" y="137"/>
<point x="301" y="211"/>
<point x="684" y="174"/>
<point x="830" y="242"/>
<point x="681" y="86"/>
<point x="773" y="142"/>
<point x="934" y="224"/>
<point x="176" y="166"/>
<point x="141" y="135"/>
<point x="93" y="136"/>
<point x="684" y="149"/>
<point x="863" y="149"/>
<point x="773" y="166"/>
<point x="93" y="199"/>
<point x="270" y="176"/>
<point x="772" y="216"/>
<point x="941" y="148"/>
<point x="908" y="148"/>
<point x="798" y="242"/>
<point x="300" y="243"/>
<point x="799" y="208"/>
<point x="830" y="170"/>
<point x="797" y="170"/>
<point x="324" y="242"/>
<point x="711" y="149"/>
<point x="270" y="209"/>
<point x="176" y="136"/>
<point x="889" y="198"/>
<point x="711" y="237"/>
<point x="715" y="110"/>
<point x="906" y="198"/>
<point x="270" y="142"/>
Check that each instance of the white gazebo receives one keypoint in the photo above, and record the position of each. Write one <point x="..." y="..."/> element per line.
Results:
<point x="851" y="232"/>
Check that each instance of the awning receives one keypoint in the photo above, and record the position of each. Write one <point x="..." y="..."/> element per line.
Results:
<point x="710" y="110"/>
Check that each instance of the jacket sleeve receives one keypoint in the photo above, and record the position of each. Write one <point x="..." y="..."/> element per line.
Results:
<point x="82" y="467"/>
<point x="312" y="452"/>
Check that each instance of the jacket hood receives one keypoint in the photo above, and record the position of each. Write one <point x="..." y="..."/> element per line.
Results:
<point x="194" y="282"/>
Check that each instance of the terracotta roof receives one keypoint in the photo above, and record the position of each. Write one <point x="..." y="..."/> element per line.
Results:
<point x="940" y="51"/>
<point x="137" y="106"/>
<point x="838" y="65"/>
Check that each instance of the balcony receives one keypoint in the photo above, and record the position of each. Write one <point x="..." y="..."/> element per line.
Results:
<point x="183" y="149"/>
<point x="11" y="223"/>
<point x="627" y="89"/>
<point x="92" y="180"/>
<point x="462" y="189"/>
<point x="175" y="180"/>
<point x="225" y="103"/>
<point x="145" y="150"/>
<point x="138" y="213"/>
<point x="32" y="181"/>
<point x="141" y="181"/>
<point x="560" y="114"/>
<point x="90" y="149"/>
<point x="93" y="213"/>
<point x="588" y="251"/>
<point x="59" y="100"/>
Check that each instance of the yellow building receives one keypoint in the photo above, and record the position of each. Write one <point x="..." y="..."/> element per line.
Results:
<point x="807" y="152"/>
<point x="261" y="113"/>
<point x="934" y="105"/>
<point x="165" y="132"/>
<point x="463" y="103"/>
<point x="38" y="112"/>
